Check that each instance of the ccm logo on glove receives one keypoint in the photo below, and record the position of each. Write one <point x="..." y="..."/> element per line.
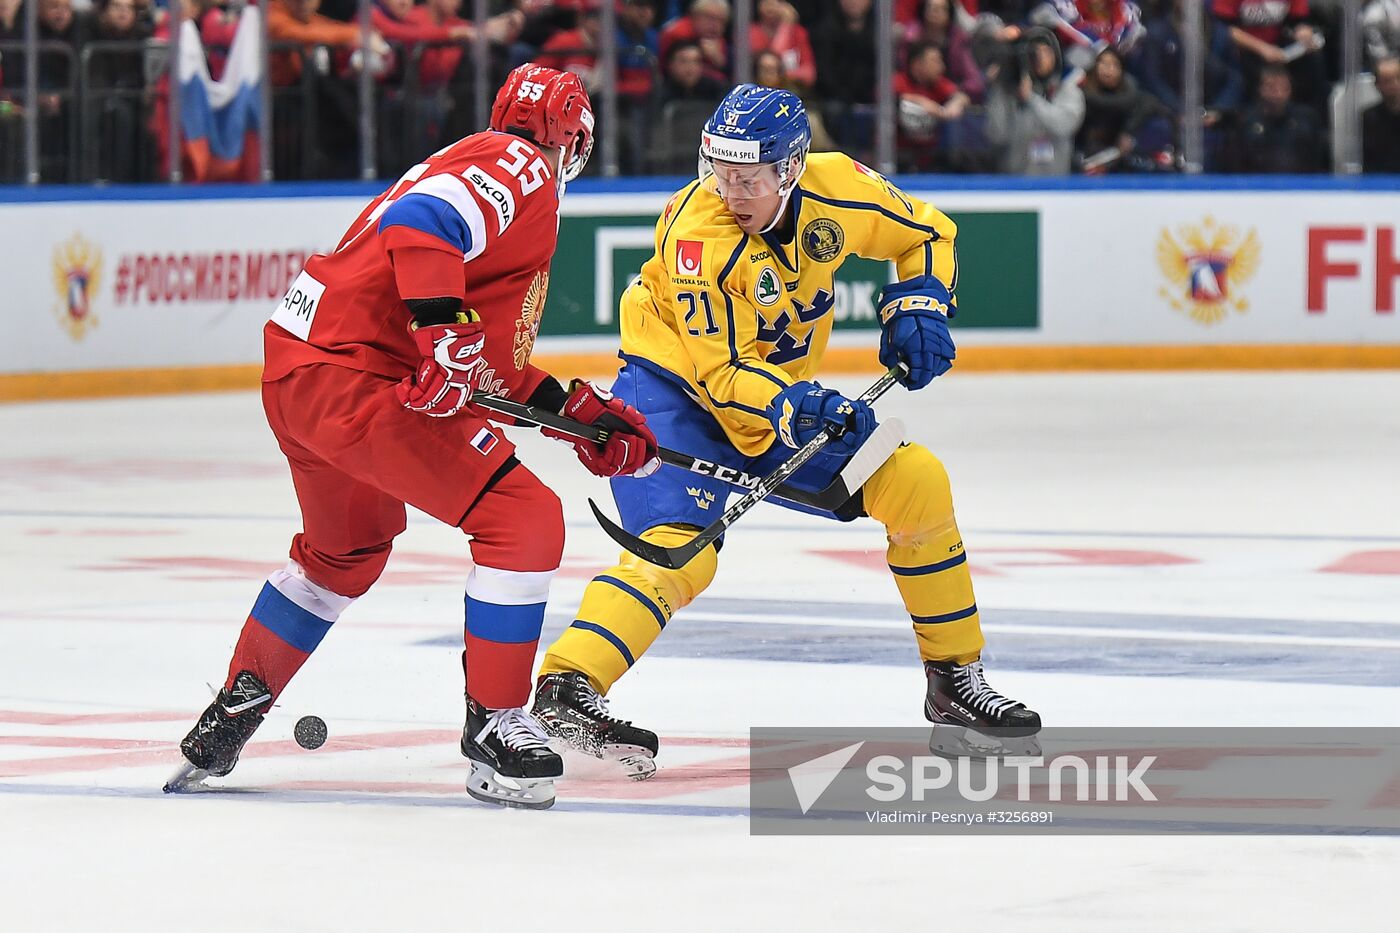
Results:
<point x="914" y="329"/>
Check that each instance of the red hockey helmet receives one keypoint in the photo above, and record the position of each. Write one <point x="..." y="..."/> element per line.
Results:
<point x="550" y="108"/>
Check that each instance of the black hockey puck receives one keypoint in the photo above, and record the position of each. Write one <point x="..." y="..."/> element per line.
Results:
<point x="310" y="732"/>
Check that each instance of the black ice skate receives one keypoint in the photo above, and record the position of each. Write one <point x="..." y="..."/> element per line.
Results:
<point x="971" y="719"/>
<point x="213" y="745"/>
<point x="511" y="764"/>
<point x="570" y="710"/>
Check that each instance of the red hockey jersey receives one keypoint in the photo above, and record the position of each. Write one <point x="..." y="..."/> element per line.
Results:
<point x="490" y="200"/>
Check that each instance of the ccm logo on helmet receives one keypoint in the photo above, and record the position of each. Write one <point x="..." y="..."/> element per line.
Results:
<point x="496" y="194"/>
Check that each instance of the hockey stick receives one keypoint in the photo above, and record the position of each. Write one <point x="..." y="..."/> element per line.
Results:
<point x="872" y="454"/>
<point x="673" y="558"/>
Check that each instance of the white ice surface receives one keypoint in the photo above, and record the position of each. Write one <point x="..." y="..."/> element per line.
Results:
<point x="136" y="533"/>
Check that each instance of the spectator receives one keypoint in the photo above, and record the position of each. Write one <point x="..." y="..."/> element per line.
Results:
<point x="1277" y="135"/>
<point x="298" y="21"/>
<point x="908" y="13"/>
<point x="333" y="137"/>
<point x="768" y="71"/>
<point x="400" y="21"/>
<point x="58" y="23"/>
<point x="1380" y="27"/>
<point x="995" y="29"/>
<point x="1380" y="124"/>
<point x="1162" y="65"/>
<point x="437" y="65"/>
<point x="11" y="62"/>
<point x="777" y="30"/>
<point x="1034" y="113"/>
<point x="117" y="142"/>
<point x="1263" y="29"/>
<point x="686" y="78"/>
<point x="537" y="21"/>
<point x="936" y="25"/>
<point x="845" y="46"/>
<point x="928" y="98"/>
<point x="576" y="49"/>
<point x="688" y="98"/>
<point x="11" y="94"/>
<point x="1115" y="112"/>
<point x="117" y="22"/>
<point x="11" y="22"/>
<point x="1085" y="27"/>
<point x="707" y="25"/>
<point x="638" y="48"/>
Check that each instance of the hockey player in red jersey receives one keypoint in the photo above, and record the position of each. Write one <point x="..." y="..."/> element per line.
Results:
<point x="434" y="294"/>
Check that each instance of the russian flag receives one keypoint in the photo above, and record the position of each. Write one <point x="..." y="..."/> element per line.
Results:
<point x="220" y="119"/>
<point x="484" y="441"/>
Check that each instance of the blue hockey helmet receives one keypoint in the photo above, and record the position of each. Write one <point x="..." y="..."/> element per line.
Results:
<point x="760" y="127"/>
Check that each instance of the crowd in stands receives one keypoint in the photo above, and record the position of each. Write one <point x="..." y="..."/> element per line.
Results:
<point x="1040" y="87"/>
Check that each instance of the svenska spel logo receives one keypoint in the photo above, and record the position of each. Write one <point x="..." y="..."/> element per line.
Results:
<point x="689" y="256"/>
<point x="77" y="272"/>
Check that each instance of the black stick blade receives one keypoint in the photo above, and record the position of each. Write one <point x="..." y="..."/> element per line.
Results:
<point x="671" y="558"/>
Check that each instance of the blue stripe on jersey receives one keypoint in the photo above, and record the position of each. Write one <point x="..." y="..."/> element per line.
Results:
<point x="301" y="629"/>
<point x="777" y="247"/>
<point x="759" y="372"/>
<point x="511" y="625"/>
<point x="635" y="594"/>
<point x="928" y="257"/>
<point x="942" y="565"/>
<point x="868" y="206"/>
<point x="432" y="216"/>
<point x="616" y="642"/>
<point x="728" y="301"/>
<point x="950" y="617"/>
<point x="735" y="405"/>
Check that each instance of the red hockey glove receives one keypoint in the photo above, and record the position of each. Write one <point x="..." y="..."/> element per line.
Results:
<point x="630" y="449"/>
<point x="452" y="362"/>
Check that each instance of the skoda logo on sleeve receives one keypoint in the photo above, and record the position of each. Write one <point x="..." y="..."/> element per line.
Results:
<point x="822" y="239"/>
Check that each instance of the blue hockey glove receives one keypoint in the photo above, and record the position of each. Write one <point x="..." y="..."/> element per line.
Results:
<point x="804" y="409"/>
<point x="914" y="329"/>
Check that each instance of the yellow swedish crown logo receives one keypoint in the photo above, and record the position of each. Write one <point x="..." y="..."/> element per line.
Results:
<point x="77" y="271"/>
<point x="1206" y="266"/>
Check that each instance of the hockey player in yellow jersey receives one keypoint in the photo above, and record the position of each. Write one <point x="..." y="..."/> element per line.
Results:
<point x="722" y="340"/>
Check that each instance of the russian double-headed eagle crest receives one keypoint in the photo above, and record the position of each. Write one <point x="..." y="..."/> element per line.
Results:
<point x="531" y="310"/>
<point x="77" y="271"/>
<point x="1207" y="266"/>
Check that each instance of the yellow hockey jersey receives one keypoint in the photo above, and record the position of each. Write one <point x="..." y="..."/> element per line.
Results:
<point x="739" y="318"/>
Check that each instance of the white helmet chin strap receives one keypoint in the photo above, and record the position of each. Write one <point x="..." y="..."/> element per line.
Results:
<point x="788" y="187"/>
<point x="778" y="214"/>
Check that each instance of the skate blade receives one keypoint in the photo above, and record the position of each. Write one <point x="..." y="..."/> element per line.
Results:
<point x="186" y="778"/>
<point x="965" y="742"/>
<point x="484" y="783"/>
<point x="637" y="762"/>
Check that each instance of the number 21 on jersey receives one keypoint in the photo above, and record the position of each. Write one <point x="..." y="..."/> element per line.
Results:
<point x="693" y="305"/>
